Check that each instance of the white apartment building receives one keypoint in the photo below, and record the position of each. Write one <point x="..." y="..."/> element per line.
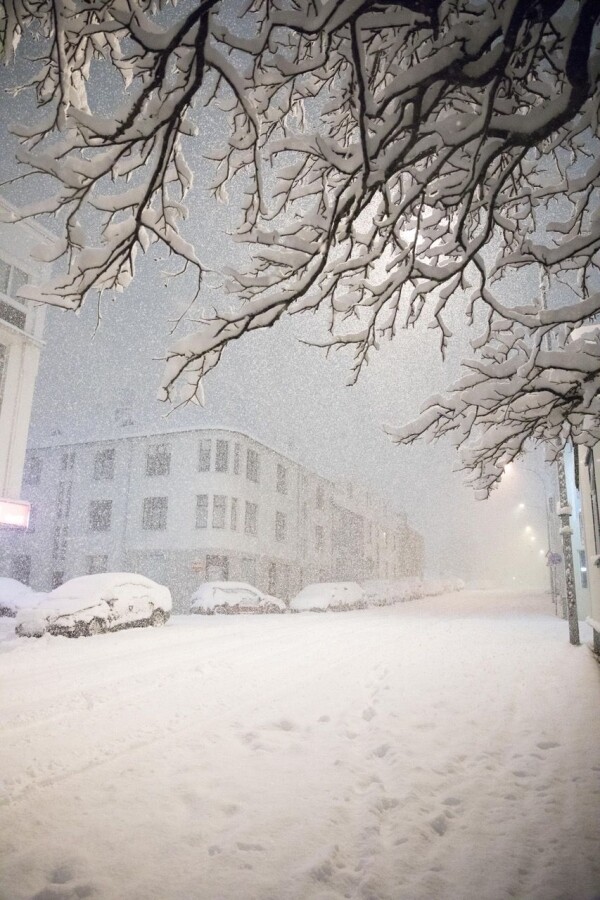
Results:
<point x="21" y="326"/>
<point x="187" y="506"/>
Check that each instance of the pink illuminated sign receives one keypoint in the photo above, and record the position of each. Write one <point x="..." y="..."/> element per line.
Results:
<point x="14" y="513"/>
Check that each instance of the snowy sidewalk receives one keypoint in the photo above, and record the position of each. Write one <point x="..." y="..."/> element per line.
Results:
<point x="445" y="748"/>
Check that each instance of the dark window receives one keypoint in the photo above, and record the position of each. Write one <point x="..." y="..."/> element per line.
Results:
<point x="20" y="567"/>
<point x="281" y="479"/>
<point x="252" y="465"/>
<point x="158" y="460"/>
<point x="320" y="497"/>
<point x="251" y="518"/>
<point x="249" y="569"/>
<point x="319" y="537"/>
<point x="272" y="578"/>
<point x="219" y="511"/>
<point x="279" y="526"/>
<point x="204" y="455"/>
<point x="67" y="461"/>
<point x="104" y="464"/>
<point x="154" y="517"/>
<point x="97" y="563"/>
<point x="202" y="511"/>
<point x="100" y="512"/>
<point x="32" y="518"/>
<point x="4" y="276"/>
<point x="236" y="459"/>
<point x="217" y="568"/>
<point x="58" y="578"/>
<point x="13" y="316"/>
<point x="222" y="456"/>
<point x="33" y="470"/>
<point x="233" y="514"/>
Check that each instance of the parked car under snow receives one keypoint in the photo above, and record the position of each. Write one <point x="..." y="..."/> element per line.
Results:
<point x="15" y="596"/>
<point x="335" y="595"/>
<point x="93" y="604"/>
<point x="230" y="597"/>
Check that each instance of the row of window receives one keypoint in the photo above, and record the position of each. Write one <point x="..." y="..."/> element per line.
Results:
<point x="158" y="462"/>
<point x="155" y="510"/>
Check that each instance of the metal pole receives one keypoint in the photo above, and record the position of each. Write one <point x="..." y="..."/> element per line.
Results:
<point x="566" y="532"/>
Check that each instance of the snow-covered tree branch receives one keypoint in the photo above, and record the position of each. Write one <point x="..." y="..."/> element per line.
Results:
<point x="387" y="154"/>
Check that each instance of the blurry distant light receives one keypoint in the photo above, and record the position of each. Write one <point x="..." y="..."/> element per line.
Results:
<point x="542" y="552"/>
<point x="521" y="506"/>
<point x="528" y="529"/>
<point x="14" y="513"/>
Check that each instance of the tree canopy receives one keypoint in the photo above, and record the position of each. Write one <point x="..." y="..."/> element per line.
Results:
<point x="392" y="158"/>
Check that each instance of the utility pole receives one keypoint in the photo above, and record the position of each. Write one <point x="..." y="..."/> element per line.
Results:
<point x="564" y="511"/>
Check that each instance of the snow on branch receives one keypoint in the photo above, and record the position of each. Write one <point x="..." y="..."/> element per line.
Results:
<point x="385" y="153"/>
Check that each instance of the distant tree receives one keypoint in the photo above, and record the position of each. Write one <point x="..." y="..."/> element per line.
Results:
<point x="385" y="154"/>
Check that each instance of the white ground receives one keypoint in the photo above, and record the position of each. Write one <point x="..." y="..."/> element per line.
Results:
<point x="444" y="749"/>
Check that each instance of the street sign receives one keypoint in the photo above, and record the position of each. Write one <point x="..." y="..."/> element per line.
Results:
<point x="554" y="559"/>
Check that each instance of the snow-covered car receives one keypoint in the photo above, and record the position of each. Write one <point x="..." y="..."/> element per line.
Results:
<point x="93" y="604"/>
<point x="335" y="595"/>
<point x="385" y="592"/>
<point x="15" y="596"/>
<point x="230" y="597"/>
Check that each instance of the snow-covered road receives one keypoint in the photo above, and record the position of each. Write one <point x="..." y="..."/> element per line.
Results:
<point x="445" y="748"/>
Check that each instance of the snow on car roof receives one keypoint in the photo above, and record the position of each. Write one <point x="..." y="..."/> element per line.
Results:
<point x="330" y="587"/>
<point x="11" y="588"/>
<point x="91" y="585"/>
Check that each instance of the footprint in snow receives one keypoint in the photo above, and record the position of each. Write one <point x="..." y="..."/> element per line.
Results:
<point x="547" y="745"/>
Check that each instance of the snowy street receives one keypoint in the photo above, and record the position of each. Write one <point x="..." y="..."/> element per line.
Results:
<point x="445" y="748"/>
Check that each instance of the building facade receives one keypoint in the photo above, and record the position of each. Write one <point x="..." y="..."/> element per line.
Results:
<point x="187" y="506"/>
<point x="21" y="326"/>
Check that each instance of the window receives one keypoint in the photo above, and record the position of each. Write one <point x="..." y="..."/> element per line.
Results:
<point x="272" y="578"/>
<point x="32" y="518"/>
<point x="18" y="279"/>
<point x="158" y="460"/>
<point x="204" y="455"/>
<point x="97" y="564"/>
<point x="219" y="511"/>
<point x="252" y="466"/>
<point x="249" y="569"/>
<point x="319" y="537"/>
<point x="104" y="464"/>
<point x="279" y="526"/>
<point x="251" y="517"/>
<point x="217" y="568"/>
<point x="236" y="459"/>
<point x="222" y="456"/>
<point x="154" y="517"/>
<point x="320" y="497"/>
<point x="100" y="512"/>
<point x="67" y="461"/>
<point x="33" y="470"/>
<point x="20" y="568"/>
<point x="202" y="511"/>
<point x="4" y="275"/>
<point x="58" y="578"/>
<point x="233" y="514"/>
<point x="281" y="479"/>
